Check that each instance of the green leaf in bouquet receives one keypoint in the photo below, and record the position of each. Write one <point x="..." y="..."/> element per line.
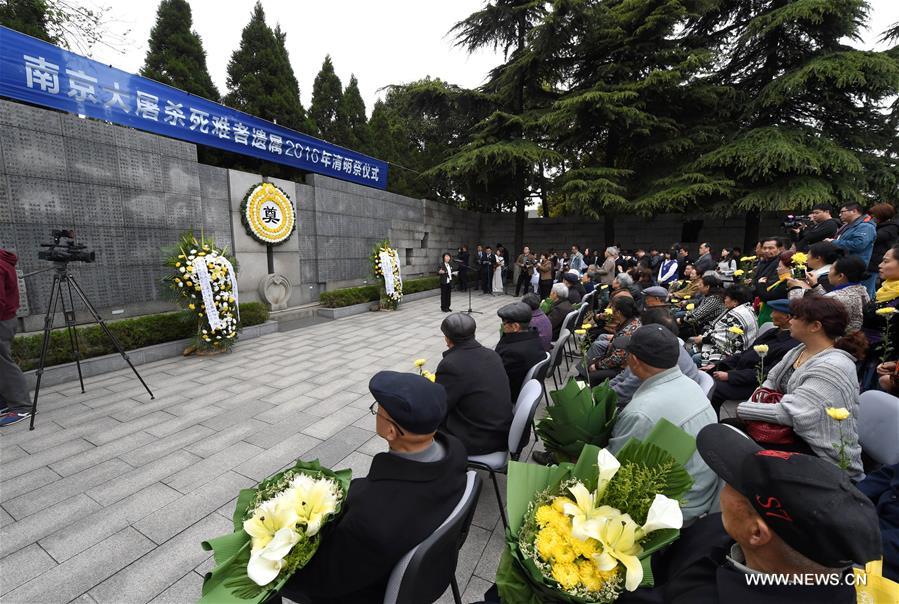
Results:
<point x="523" y="481"/>
<point x="578" y="417"/>
<point x="674" y="480"/>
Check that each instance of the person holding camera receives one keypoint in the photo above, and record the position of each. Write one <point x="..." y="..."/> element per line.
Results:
<point x="14" y="403"/>
<point x="823" y="226"/>
<point x="525" y="263"/>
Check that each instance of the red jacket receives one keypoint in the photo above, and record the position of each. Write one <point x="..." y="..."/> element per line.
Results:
<point x="9" y="286"/>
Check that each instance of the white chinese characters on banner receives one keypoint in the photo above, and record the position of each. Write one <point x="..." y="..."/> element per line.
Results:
<point x="78" y="83"/>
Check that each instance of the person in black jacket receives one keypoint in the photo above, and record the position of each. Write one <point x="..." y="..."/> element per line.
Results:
<point x="462" y="259"/>
<point x="408" y="493"/>
<point x="446" y="272"/>
<point x="781" y="514"/>
<point x="824" y="227"/>
<point x="559" y="309"/>
<point x="576" y="291"/>
<point x="519" y="347"/>
<point x="887" y="233"/>
<point x="479" y="407"/>
<point x="736" y="376"/>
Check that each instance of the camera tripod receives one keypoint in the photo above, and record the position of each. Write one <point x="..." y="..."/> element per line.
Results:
<point x="57" y="295"/>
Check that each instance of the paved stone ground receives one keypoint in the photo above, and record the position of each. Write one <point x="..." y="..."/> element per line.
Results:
<point x="108" y="499"/>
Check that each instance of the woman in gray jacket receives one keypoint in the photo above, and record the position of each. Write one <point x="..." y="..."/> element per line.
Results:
<point x="818" y="374"/>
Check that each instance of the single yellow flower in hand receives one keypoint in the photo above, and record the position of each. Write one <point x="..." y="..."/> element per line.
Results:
<point x="761" y="349"/>
<point x="420" y="362"/>
<point x="608" y="311"/>
<point x="586" y="326"/>
<point x="886" y="310"/>
<point x="737" y="330"/>
<point x="191" y="306"/>
<point x="738" y="272"/>
<point x="799" y="258"/>
<point x="580" y="332"/>
<point x="428" y="375"/>
<point x="686" y="296"/>
<point x="691" y="306"/>
<point x="838" y="413"/>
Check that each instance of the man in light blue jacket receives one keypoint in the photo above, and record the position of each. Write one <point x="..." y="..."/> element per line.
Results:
<point x="857" y="236"/>
<point x="667" y="393"/>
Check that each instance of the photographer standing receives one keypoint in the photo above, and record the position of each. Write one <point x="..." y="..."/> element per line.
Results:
<point x="824" y="227"/>
<point x="14" y="403"/>
<point x="525" y="263"/>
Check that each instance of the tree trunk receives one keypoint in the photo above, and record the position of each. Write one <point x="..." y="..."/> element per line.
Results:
<point x="751" y="232"/>
<point x="519" y="230"/>
<point x="608" y="225"/>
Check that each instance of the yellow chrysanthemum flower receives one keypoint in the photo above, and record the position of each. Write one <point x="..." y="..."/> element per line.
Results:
<point x="559" y="504"/>
<point x="887" y="310"/>
<point x="608" y="311"/>
<point x="586" y="326"/>
<point x="691" y="306"/>
<point x="799" y="258"/>
<point x="565" y="573"/>
<point x="761" y="349"/>
<point x="580" y="332"/>
<point x="838" y="413"/>
<point x="420" y="362"/>
<point x="737" y="330"/>
<point x="739" y="272"/>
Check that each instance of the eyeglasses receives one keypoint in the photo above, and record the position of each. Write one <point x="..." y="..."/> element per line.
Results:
<point x="374" y="411"/>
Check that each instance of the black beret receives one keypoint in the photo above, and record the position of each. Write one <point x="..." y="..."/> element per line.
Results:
<point x="414" y="402"/>
<point x="571" y="277"/>
<point x="458" y="327"/>
<point x="516" y="312"/>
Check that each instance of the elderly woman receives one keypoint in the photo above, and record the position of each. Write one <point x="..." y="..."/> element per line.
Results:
<point x="817" y="375"/>
<point x="608" y="268"/>
<point x="689" y="287"/>
<point x="559" y="308"/>
<point x="711" y="307"/>
<point x="845" y="277"/>
<point x="607" y="356"/>
<point x="624" y="284"/>
<point x="731" y="332"/>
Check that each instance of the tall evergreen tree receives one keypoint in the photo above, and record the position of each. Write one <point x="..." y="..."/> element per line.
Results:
<point x="327" y="92"/>
<point x="808" y="124"/>
<point x="351" y="124"/>
<point x="27" y="16"/>
<point x="176" y="56"/>
<point x="260" y="78"/>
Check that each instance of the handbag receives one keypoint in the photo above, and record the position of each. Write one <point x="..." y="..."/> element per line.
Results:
<point x="767" y="432"/>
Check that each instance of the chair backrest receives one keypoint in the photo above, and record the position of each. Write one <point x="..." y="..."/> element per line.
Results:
<point x="707" y="382"/>
<point x="765" y="327"/>
<point x="525" y="408"/>
<point x="424" y="573"/>
<point x="557" y="353"/>
<point x="534" y="371"/>
<point x="567" y="321"/>
<point x="878" y="425"/>
<point x="581" y="313"/>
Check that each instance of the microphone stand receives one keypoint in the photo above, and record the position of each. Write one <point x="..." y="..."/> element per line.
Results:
<point x="463" y="267"/>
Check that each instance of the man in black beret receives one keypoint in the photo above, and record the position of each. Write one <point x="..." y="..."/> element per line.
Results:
<point x="576" y="291"/>
<point x="519" y="347"/>
<point x="408" y="493"/>
<point x="790" y="528"/>
<point x="479" y="407"/>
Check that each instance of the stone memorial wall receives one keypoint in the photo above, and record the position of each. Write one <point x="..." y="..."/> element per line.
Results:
<point x="129" y="194"/>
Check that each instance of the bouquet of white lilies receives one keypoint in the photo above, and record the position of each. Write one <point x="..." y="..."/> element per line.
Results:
<point x="277" y="529"/>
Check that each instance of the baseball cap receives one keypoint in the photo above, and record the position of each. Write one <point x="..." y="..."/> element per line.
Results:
<point x="654" y="345"/>
<point x="807" y="501"/>
<point x="414" y="402"/>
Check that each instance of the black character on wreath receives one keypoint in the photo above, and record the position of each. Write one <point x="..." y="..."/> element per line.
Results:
<point x="270" y="215"/>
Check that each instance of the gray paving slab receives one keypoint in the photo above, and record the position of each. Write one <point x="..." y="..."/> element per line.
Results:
<point x="140" y="483"/>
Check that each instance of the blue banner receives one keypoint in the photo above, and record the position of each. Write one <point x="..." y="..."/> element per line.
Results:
<point x="42" y="74"/>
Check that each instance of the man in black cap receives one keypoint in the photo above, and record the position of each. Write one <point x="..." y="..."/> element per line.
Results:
<point x="576" y="291"/>
<point x="519" y="347"/>
<point x="479" y="407"/>
<point x="408" y="493"/>
<point x="790" y="527"/>
<point x="665" y="392"/>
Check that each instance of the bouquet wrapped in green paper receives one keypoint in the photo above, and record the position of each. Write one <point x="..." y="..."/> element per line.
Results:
<point x="277" y="528"/>
<point x="578" y="416"/>
<point x="583" y="533"/>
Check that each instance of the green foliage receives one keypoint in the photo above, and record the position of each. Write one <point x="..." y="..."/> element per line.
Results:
<point x="175" y="55"/>
<point x="71" y="25"/>
<point x="131" y="333"/>
<point x="338" y="298"/>
<point x="28" y="17"/>
<point x="260" y="78"/>
<point x="351" y="127"/>
<point x="578" y="417"/>
<point x="326" y="95"/>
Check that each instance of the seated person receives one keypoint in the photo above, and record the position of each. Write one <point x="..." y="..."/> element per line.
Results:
<point x="882" y="488"/>
<point x="688" y="287"/>
<point x="559" y="308"/>
<point x="653" y="352"/>
<point x="718" y="341"/>
<point x="626" y="383"/>
<point x="606" y="356"/>
<point x="576" y="291"/>
<point x="781" y="513"/>
<point x="519" y="347"/>
<point x="408" y="493"/>
<point x="817" y="374"/>
<point x="655" y="296"/>
<point x="736" y="376"/>
<point x="539" y="321"/>
<point x="479" y="407"/>
<point x="708" y="309"/>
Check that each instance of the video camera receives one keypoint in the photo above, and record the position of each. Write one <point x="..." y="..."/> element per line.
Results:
<point x="67" y="251"/>
<point x="796" y="222"/>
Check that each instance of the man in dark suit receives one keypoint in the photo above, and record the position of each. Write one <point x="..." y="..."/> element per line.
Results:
<point x="766" y="269"/>
<point x="479" y="408"/>
<point x="519" y="347"/>
<point x="408" y="493"/>
<point x="462" y="258"/>
<point x="489" y="259"/>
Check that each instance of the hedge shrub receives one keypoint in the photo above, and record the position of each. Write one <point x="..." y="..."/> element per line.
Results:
<point x="339" y="298"/>
<point x="131" y="333"/>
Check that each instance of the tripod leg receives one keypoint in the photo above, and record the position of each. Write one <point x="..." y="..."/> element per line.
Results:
<point x="69" y="315"/>
<point x="55" y="294"/>
<point x="109" y="334"/>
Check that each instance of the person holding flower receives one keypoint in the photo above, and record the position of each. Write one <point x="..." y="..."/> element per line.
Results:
<point x="409" y="491"/>
<point x="606" y="356"/>
<point x="710" y="308"/>
<point x="880" y="323"/>
<point x="731" y="332"/>
<point x="817" y="374"/>
<point x="845" y="277"/>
